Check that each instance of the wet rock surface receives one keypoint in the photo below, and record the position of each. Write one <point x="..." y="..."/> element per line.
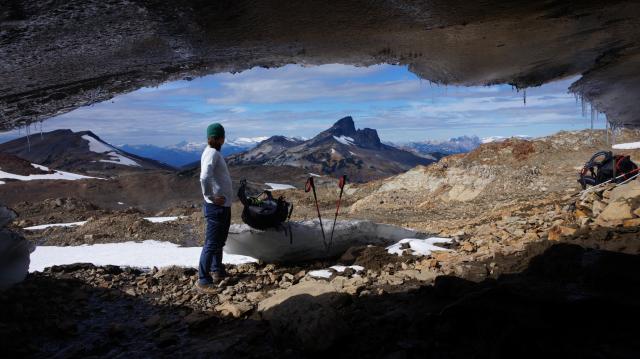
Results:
<point x="59" y="56"/>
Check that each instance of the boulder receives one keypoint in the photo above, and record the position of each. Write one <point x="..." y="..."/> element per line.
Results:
<point x="618" y="210"/>
<point x="626" y="191"/>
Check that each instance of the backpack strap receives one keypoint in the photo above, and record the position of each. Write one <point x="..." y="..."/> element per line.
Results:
<point x="242" y="194"/>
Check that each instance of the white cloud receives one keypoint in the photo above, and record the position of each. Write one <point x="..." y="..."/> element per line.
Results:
<point x="303" y="100"/>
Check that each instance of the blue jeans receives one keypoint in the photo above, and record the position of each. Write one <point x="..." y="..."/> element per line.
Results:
<point x="218" y="220"/>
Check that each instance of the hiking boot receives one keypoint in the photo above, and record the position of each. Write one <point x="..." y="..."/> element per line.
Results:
<point x="219" y="280"/>
<point x="208" y="288"/>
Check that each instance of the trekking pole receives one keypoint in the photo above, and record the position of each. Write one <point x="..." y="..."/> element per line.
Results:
<point x="343" y="181"/>
<point x="308" y="187"/>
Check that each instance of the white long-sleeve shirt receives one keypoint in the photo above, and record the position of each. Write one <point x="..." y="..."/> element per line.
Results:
<point x="214" y="177"/>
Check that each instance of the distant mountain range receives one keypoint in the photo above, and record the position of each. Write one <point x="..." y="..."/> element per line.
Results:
<point x="451" y="146"/>
<point x="341" y="149"/>
<point x="454" y="145"/>
<point x="81" y="152"/>
<point x="185" y="152"/>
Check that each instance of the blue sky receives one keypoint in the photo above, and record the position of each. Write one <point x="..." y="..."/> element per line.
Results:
<point x="303" y="100"/>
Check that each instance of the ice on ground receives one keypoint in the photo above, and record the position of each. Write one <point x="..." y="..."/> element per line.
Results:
<point x="120" y="203"/>
<point x="344" y="140"/>
<point x="326" y="273"/>
<point x="2" y="182"/>
<point x="314" y="175"/>
<point x="162" y="219"/>
<point x="421" y="247"/>
<point x="279" y="186"/>
<point x="45" y="226"/>
<point x="145" y="254"/>
<point x="626" y="146"/>
<point x="274" y="245"/>
<point x="113" y="153"/>
<point x="56" y="175"/>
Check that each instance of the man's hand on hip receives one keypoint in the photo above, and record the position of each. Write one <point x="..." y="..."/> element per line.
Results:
<point x="219" y="200"/>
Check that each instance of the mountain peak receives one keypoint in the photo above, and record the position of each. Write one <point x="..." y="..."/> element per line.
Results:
<point x="344" y="126"/>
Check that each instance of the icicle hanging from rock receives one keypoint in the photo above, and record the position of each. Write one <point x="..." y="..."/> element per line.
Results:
<point x="27" y="130"/>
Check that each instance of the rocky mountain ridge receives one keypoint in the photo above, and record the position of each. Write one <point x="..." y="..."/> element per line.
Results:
<point x="341" y="149"/>
<point x="79" y="152"/>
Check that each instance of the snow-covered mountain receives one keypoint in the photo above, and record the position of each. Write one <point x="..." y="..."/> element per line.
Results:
<point x="78" y="152"/>
<point x="186" y="152"/>
<point x="453" y="145"/>
<point x="341" y="149"/>
<point x="502" y="138"/>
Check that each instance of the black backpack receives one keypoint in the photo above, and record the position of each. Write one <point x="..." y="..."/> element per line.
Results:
<point x="604" y="166"/>
<point x="266" y="212"/>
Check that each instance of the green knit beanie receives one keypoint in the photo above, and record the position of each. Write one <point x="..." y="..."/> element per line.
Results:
<point x="215" y="130"/>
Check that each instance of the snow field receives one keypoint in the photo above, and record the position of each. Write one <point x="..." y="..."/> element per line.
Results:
<point x="57" y="175"/>
<point x="115" y="157"/>
<point x="145" y="254"/>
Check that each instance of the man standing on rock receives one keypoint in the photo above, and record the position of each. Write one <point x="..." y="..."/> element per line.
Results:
<point x="218" y="193"/>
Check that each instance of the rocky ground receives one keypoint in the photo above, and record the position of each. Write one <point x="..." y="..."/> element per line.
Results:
<point x="531" y="272"/>
<point x="569" y="302"/>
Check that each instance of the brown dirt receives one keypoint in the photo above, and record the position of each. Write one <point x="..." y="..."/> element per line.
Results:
<point x="375" y="258"/>
<point x="16" y="165"/>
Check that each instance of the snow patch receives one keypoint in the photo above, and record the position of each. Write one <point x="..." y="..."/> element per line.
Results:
<point x="120" y="203"/>
<point x="56" y="175"/>
<point x="314" y="175"/>
<point x="45" y="226"/>
<point x="279" y="186"/>
<point x="73" y="224"/>
<point x="345" y="140"/>
<point x="326" y="273"/>
<point x="626" y="146"/>
<point x="421" y="247"/>
<point x="162" y="219"/>
<point x="113" y="153"/>
<point x="2" y="182"/>
<point x="145" y="254"/>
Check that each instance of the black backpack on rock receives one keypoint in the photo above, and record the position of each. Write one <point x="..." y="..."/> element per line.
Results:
<point x="266" y="212"/>
<point x="604" y="166"/>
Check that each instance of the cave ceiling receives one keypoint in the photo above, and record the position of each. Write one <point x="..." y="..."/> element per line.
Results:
<point x="58" y="55"/>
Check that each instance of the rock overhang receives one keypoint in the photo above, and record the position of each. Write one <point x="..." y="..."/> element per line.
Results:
<point x="58" y="56"/>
